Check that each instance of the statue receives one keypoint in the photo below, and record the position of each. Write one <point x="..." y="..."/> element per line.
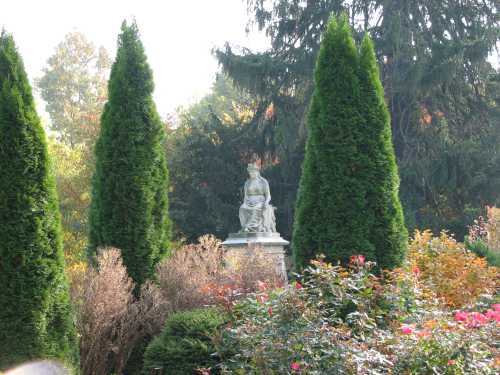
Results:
<point x="256" y="214"/>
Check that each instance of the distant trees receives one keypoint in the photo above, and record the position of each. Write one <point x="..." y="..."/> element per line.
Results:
<point x="348" y="197"/>
<point x="74" y="87"/>
<point x="35" y="315"/>
<point x="208" y="152"/>
<point x="129" y="208"/>
<point x="441" y="91"/>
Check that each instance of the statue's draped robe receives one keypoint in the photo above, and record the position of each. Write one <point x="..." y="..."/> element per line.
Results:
<point x="256" y="215"/>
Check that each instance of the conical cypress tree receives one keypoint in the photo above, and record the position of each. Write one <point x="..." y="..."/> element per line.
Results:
<point x="35" y="315"/>
<point x="129" y="207"/>
<point x="387" y="230"/>
<point x="347" y="202"/>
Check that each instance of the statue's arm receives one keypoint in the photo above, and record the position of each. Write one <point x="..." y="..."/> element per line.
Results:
<point x="245" y="196"/>
<point x="268" y="193"/>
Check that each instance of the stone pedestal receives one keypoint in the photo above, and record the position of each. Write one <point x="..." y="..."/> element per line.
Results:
<point x="271" y="244"/>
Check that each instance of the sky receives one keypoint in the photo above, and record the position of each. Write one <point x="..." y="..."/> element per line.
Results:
<point x="178" y="36"/>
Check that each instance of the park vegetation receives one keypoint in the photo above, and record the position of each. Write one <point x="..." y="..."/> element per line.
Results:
<point x="143" y="201"/>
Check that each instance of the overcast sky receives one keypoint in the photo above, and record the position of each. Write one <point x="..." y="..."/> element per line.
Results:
<point x="178" y="36"/>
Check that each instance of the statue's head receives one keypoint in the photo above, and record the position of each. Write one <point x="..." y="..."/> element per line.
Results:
<point x="253" y="170"/>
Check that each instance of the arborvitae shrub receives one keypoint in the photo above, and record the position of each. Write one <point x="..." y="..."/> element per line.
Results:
<point x="129" y="207"/>
<point x="348" y="195"/>
<point x="186" y="343"/>
<point x="35" y="314"/>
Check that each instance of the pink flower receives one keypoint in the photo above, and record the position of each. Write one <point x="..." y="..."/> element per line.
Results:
<point x="270" y="311"/>
<point x="295" y="366"/>
<point x="357" y="259"/>
<point x="493" y="315"/>
<point x="478" y="320"/>
<point x="298" y="285"/>
<point x="496" y="306"/>
<point x="406" y="330"/>
<point x="451" y="362"/>
<point x="416" y="270"/>
<point x="461" y="316"/>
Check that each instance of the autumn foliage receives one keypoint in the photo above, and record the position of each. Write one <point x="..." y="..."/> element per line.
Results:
<point x="454" y="274"/>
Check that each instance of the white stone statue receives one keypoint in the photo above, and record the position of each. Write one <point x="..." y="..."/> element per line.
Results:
<point x="256" y="214"/>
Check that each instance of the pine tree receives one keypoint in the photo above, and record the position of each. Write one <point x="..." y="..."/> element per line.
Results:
<point x="35" y="314"/>
<point x="348" y="197"/>
<point x="129" y="207"/>
<point x="388" y="233"/>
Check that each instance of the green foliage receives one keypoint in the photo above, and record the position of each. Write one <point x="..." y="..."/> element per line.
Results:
<point x="481" y="249"/>
<point x="379" y="172"/>
<point x="74" y="87"/>
<point x="441" y="91"/>
<point x="208" y="152"/>
<point x="186" y="343"/>
<point x="129" y="208"/>
<point x="348" y="196"/>
<point x="35" y="318"/>
<point x="72" y="174"/>
<point x="348" y="321"/>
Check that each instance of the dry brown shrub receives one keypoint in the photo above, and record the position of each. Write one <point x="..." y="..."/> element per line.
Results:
<point x="493" y="228"/>
<point x="111" y="321"/>
<point x="199" y="275"/>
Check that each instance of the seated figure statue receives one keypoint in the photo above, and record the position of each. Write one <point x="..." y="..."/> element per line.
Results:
<point x="256" y="214"/>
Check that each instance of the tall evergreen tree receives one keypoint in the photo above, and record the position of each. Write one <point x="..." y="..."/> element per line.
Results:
<point x="129" y="208"/>
<point x="35" y="314"/>
<point x="330" y="213"/>
<point x="348" y="197"/>
<point x="388" y="233"/>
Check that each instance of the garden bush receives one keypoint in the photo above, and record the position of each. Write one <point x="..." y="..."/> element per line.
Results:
<point x="446" y="267"/>
<point x="185" y="345"/>
<point x="337" y="320"/>
<point x="196" y="275"/>
<point x="111" y="321"/>
<point x="484" y="237"/>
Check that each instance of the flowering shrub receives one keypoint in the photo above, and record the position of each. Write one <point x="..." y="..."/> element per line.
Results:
<point x="336" y="320"/>
<point x="448" y="269"/>
<point x="322" y="324"/>
<point x="466" y="345"/>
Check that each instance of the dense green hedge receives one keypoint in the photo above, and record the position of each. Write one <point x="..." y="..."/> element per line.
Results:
<point x="35" y="314"/>
<point x="348" y="196"/>
<point x="186" y="343"/>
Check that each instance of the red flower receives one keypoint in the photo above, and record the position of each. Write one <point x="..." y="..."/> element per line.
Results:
<point x="461" y="316"/>
<point x="424" y="333"/>
<point x="261" y="285"/>
<point x="295" y="366"/>
<point x="261" y="298"/>
<point x="416" y="270"/>
<point x="406" y="330"/>
<point x="298" y="285"/>
<point x="270" y="311"/>
<point x="451" y="362"/>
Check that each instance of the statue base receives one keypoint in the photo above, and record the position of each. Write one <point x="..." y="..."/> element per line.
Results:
<point x="272" y="245"/>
